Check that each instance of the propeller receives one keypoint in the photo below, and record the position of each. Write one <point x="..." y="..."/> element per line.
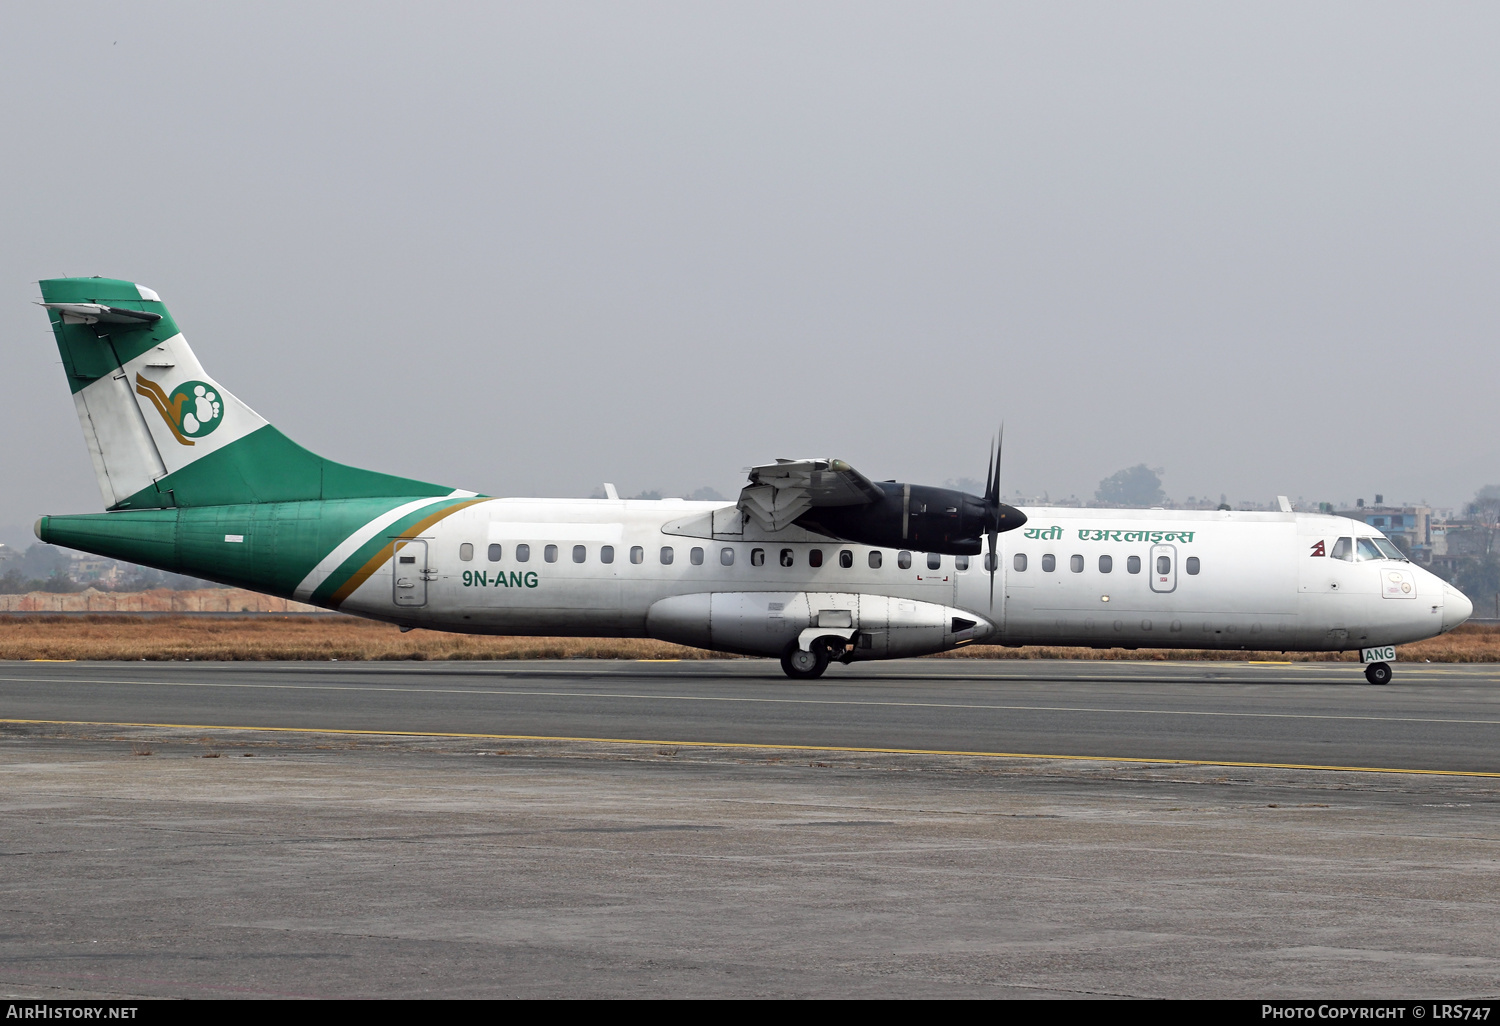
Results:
<point x="997" y="516"/>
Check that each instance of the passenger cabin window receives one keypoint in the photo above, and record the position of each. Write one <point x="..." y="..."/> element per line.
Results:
<point x="606" y="553"/>
<point x="1075" y="564"/>
<point x="934" y="561"/>
<point x="466" y="552"/>
<point x="1366" y="549"/>
<point x="550" y="553"/>
<point x="1163" y="564"/>
<point x="787" y="559"/>
<point x="637" y="554"/>
<point x="757" y="557"/>
<point x="1049" y="563"/>
<point x="726" y="556"/>
<point x="846" y="558"/>
<point x="1192" y="566"/>
<point x="814" y="557"/>
<point x="903" y="559"/>
<point x="523" y="553"/>
<point x="1132" y="564"/>
<point x="991" y="561"/>
<point x="1106" y="564"/>
<point x="696" y="556"/>
<point x="876" y="559"/>
<point x="1019" y="562"/>
<point x="580" y="553"/>
<point x="666" y="555"/>
<point x="960" y="562"/>
<point x="494" y="553"/>
<point x="1343" y="549"/>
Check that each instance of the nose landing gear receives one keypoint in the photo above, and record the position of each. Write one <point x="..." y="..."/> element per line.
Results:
<point x="1378" y="673"/>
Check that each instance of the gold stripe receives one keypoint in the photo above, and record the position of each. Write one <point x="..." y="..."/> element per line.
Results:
<point x="151" y="390"/>
<point x="743" y="745"/>
<point x="379" y="559"/>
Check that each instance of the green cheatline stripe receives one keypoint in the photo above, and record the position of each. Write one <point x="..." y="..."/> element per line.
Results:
<point x="376" y="552"/>
<point x="762" y="746"/>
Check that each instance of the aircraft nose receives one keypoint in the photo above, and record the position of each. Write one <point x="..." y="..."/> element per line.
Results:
<point x="1456" y="607"/>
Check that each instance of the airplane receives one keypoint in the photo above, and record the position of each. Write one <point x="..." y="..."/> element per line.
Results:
<point x="813" y="563"/>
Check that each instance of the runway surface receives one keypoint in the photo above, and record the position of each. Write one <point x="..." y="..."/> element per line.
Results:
<point x="433" y="853"/>
<point x="1435" y="718"/>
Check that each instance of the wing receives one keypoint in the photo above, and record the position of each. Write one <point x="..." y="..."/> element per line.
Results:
<point x="780" y="492"/>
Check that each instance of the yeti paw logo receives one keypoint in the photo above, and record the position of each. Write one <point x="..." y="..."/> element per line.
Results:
<point x="194" y="408"/>
<point x="201" y="409"/>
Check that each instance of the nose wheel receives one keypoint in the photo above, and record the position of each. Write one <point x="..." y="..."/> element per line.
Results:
<point x="1378" y="673"/>
<point x="800" y="665"/>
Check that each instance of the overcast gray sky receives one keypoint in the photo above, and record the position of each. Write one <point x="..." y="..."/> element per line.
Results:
<point x="528" y="248"/>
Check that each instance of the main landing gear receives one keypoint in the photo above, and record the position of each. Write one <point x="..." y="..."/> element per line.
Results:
<point x="800" y="665"/>
<point x="1378" y="673"/>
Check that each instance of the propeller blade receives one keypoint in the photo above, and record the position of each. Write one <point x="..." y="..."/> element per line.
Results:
<point x="989" y="473"/>
<point x="992" y="510"/>
<point x="992" y="560"/>
<point x="992" y="493"/>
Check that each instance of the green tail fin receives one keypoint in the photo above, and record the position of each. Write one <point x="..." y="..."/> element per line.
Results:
<point x="160" y="431"/>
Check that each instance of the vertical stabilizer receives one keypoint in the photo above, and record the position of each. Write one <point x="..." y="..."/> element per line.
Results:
<point x="161" y="431"/>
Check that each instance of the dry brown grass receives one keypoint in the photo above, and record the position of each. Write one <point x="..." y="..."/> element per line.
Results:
<point x="274" y="637"/>
<point x="350" y="638"/>
<point x="1471" y="643"/>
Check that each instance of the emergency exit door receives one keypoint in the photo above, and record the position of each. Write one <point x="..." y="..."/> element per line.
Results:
<point x="410" y="573"/>
<point x="1163" y="568"/>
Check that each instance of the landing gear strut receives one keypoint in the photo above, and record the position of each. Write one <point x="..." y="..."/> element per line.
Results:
<point x="800" y="665"/>
<point x="1378" y="673"/>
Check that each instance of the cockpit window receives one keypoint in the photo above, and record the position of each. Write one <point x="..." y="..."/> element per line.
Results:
<point x="1388" y="548"/>
<point x="1343" y="549"/>
<point x="1367" y="550"/>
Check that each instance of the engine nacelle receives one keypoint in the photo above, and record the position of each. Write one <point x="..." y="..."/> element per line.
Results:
<point x="913" y="517"/>
<point x="765" y="623"/>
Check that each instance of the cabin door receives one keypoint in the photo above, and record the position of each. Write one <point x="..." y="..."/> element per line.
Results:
<point x="410" y="573"/>
<point x="1163" y="568"/>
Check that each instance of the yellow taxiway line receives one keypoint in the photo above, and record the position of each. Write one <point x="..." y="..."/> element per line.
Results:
<point x="760" y="746"/>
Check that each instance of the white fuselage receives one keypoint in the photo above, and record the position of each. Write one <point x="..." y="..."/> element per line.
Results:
<point x="696" y="573"/>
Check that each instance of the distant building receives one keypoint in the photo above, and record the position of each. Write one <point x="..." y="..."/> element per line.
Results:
<point x="1410" y="527"/>
<point x="87" y="569"/>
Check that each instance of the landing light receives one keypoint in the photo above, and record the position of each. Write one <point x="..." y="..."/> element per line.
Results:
<point x="1103" y="598"/>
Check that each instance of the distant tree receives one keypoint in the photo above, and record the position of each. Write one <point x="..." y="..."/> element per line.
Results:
<point x="648" y="495"/>
<point x="41" y="562"/>
<point x="1485" y="512"/>
<point x="1134" y="486"/>
<point x="13" y="582"/>
<point x="707" y="494"/>
<point x="965" y="484"/>
<point x="60" y="583"/>
<point x="1480" y="580"/>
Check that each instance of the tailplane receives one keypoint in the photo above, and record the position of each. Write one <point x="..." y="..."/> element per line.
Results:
<point x="161" y="432"/>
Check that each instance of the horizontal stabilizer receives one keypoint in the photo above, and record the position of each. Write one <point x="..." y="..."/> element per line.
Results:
<point x="97" y="313"/>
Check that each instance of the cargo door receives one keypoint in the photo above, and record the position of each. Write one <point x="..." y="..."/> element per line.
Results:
<point x="410" y="573"/>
